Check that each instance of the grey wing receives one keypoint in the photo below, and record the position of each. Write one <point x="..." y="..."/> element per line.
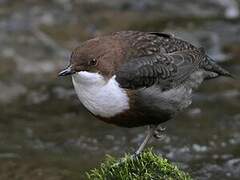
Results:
<point x="166" y="70"/>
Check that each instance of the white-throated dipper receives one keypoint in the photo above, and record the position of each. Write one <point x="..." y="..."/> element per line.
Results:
<point x="133" y="78"/>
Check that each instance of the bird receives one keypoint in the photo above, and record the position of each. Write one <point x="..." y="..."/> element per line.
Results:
<point x="134" y="78"/>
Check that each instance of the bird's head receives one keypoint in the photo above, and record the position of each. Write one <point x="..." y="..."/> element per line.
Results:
<point x="97" y="55"/>
<point x="83" y="58"/>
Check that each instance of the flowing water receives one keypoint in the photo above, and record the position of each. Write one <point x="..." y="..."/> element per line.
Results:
<point x="45" y="133"/>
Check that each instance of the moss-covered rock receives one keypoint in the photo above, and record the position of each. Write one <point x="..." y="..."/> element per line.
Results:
<point x="147" y="166"/>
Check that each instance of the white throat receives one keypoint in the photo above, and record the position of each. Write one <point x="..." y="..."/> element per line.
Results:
<point x="101" y="97"/>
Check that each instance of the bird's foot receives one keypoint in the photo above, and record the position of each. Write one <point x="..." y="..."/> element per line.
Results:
<point x="134" y="156"/>
<point x="158" y="133"/>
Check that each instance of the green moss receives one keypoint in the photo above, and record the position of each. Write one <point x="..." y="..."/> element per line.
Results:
<point x="147" y="166"/>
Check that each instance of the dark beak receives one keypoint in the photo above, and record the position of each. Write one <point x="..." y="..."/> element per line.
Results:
<point x="67" y="71"/>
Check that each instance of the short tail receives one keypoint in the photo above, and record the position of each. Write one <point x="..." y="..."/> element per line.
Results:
<point x="212" y="66"/>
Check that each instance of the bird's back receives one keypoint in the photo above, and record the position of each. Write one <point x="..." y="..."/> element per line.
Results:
<point x="146" y="44"/>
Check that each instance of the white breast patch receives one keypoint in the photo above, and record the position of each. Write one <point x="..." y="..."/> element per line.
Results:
<point x="100" y="96"/>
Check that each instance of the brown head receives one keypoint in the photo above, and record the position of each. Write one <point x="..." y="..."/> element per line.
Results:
<point x="102" y="55"/>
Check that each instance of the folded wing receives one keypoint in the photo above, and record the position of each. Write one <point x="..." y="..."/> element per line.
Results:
<point x="167" y="70"/>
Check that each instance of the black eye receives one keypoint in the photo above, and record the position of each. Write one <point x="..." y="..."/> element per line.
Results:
<point x="93" y="62"/>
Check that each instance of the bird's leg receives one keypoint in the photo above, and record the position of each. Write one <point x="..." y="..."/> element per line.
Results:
<point x="153" y="130"/>
<point x="150" y="132"/>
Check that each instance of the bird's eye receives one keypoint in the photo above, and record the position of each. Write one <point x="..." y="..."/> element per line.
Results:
<point x="93" y="62"/>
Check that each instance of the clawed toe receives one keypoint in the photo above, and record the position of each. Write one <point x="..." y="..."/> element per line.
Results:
<point x="159" y="136"/>
<point x="135" y="155"/>
<point x="158" y="133"/>
<point x="160" y="129"/>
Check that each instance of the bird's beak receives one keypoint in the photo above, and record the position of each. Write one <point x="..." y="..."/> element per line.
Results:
<point x="67" y="71"/>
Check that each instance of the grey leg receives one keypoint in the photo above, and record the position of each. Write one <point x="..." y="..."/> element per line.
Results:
<point x="153" y="130"/>
<point x="150" y="131"/>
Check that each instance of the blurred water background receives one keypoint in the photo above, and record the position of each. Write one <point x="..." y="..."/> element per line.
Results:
<point x="45" y="133"/>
